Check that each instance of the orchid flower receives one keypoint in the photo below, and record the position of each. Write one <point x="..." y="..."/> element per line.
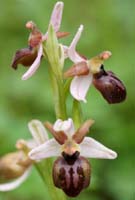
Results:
<point x="71" y="147"/>
<point x="67" y="140"/>
<point x="17" y="166"/>
<point x="86" y="72"/>
<point x="32" y="55"/>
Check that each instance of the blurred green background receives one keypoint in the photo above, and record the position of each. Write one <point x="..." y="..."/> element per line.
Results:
<point x="109" y="25"/>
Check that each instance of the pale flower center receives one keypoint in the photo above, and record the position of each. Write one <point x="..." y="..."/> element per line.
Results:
<point x="70" y="147"/>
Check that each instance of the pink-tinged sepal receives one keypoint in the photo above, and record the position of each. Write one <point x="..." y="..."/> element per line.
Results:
<point x="73" y="55"/>
<point x="111" y="87"/>
<point x="72" y="179"/>
<point x="56" y="16"/>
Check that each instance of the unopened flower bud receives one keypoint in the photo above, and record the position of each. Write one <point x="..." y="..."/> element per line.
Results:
<point x="71" y="178"/>
<point x="13" y="165"/>
<point x="112" y="88"/>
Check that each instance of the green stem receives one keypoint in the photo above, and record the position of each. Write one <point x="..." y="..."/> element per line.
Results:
<point x="77" y="113"/>
<point x="55" y="55"/>
<point x="67" y="86"/>
<point x="59" y="96"/>
<point x="45" y="170"/>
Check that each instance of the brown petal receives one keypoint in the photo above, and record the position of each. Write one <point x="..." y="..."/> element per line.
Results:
<point x="60" y="136"/>
<point x="77" y="70"/>
<point x="62" y="34"/>
<point x="111" y="88"/>
<point x="82" y="131"/>
<point x="72" y="179"/>
<point x="25" y="57"/>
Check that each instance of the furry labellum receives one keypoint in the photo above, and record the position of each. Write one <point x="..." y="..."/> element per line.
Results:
<point x="25" y="57"/>
<point x="71" y="177"/>
<point x="111" y="88"/>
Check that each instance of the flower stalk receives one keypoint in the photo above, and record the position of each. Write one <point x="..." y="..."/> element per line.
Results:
<point x="56" y="61"/>
<point x="53" y="192"/>
<point x="77" y="114"/>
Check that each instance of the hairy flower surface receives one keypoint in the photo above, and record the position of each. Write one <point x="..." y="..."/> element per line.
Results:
<point x="15" y="167"/>
<point x="32" y="55"/>
<point x="86" y="72"/>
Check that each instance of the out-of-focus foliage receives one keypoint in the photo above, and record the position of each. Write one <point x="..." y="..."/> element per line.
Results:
<point x="109" y="25"/>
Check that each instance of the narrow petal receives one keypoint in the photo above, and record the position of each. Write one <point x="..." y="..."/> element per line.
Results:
<point x="62" y="34"/>
<point x="49" y="149"/>
<point x="73" y="55"/>
<point x="79" y="87"/>
<point x="59" y="136"/>
<point x="38" y="131"/>
<point x="82" y="131"/>
<point x="35" y="64"/>
<point x="90" y="148"/>
<point x="56" y="16"/>
<point x="16" y="183"/>
<point x="78" y="69"/>
<point x="66" y="126"/>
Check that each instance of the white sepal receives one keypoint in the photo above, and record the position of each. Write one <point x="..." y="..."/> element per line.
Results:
<point x="49" y="149"/>
<point x="90" y="148"/>
<point x="38" y="131"/>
